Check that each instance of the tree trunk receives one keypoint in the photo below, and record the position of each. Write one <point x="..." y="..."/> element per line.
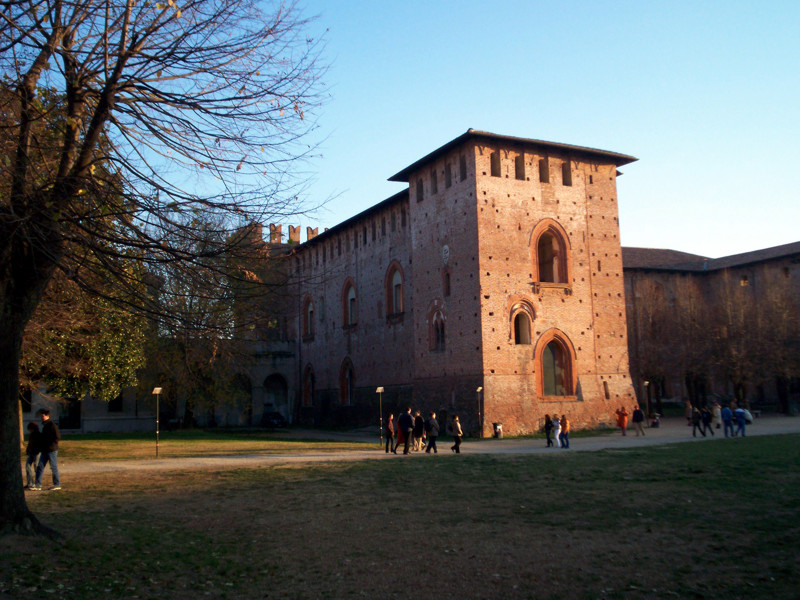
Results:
<point x="22" y="284"/>
<point x="14" y="514"/>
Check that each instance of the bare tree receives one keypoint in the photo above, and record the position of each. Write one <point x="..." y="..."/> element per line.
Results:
<point x="775" y="338"/>
<point x="689" y="343"/>
<point x="217" y="319"/>
<point x="649" y="320"/>
<point x="124" y="123"/>
<point x="734" y="325"/>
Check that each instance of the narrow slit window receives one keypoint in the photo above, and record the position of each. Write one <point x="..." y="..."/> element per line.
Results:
<point x="494" y="159"/>
<point x="544" y="170"/>
<point x="566" y="173"/>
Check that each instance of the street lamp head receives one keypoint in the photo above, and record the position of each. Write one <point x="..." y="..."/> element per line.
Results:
<point x="156" y="391"/>
<point x="379" y="390"/>
<point x="480" y="389"/>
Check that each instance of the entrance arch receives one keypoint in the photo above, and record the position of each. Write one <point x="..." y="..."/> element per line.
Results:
<point x="276" y="394"/>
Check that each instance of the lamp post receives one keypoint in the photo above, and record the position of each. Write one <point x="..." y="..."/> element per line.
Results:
<point x="647" y="398"/>
<point x="480" y="416"/>
<point x="379" y="391"/>
<point x="157" y="392"/>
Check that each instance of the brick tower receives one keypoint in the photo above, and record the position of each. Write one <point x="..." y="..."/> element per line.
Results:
<point x="518" y="291"/>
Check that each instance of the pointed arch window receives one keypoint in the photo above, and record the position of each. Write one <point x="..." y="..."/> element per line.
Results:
<point x="349" y="305"/>
<point x="550" y="249"/>
<point x="395" y="290"/>
<point x="437" y="332"/>
<point x="308" y="318"/>
<point x="555" y="366"/>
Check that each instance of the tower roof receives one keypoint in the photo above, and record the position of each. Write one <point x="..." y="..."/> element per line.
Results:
<point x="607" y="156"/>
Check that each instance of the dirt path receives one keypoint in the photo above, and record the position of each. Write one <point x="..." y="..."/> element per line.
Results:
<point x="671" y="431"/>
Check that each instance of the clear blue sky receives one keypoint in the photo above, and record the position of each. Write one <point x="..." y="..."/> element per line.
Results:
<point x="705" y="94"/>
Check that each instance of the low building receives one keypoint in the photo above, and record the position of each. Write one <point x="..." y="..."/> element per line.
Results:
<point x="707" y="329"/>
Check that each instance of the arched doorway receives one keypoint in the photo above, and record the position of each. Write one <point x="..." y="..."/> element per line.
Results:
<point x="241" y="397"/>
<point x="276" y="395"/>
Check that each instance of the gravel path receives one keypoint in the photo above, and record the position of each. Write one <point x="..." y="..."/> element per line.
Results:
<point x="671" y="431"/>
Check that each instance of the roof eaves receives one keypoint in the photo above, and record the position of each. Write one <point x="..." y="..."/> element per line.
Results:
<point x="614" y="157"/>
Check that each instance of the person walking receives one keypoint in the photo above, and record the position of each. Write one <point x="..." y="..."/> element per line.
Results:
<point x="405" y="423"/>
<point x="49" y="451"/>
<point x="638" y="420"/>
<point x="741" y="419"/>
<point x="697" y="423"/>
<point x="32" y="450"/>
<point x="564" y="432"/>
<point x="419" y="431"/>
<point x="716" y="412"/>
<point x="457" y="433"/>
<point x="622" y="419"/>
<point x="706" y="416"/>
<point x="390" y="435"/>
<point x="432" y="427"/>
<point x="557" y="430"/>
<point x="548" y="429"/>
<point x="726" y="414"/>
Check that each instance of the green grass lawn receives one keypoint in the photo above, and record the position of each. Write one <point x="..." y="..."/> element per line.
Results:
<point x="711" y="520"/>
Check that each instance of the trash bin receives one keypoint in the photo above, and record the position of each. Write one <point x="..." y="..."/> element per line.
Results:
<point x="498" y="430"/>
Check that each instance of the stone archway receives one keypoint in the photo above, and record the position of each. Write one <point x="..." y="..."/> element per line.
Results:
<point x="276" y="395"/>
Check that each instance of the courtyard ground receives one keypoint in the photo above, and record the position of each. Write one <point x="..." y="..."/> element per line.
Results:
<point x="611" y="518"/>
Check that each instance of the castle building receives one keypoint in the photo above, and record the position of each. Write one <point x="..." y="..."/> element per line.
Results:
<point x="715" y="329"/>
<point x="492" y="288"/>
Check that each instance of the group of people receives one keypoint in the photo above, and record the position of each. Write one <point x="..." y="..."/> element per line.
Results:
<point x="417" y="434"/>
<point x="637" y="418"/>
<point x="557" y="428"/>
<point x="721" y="416"/>
<point x="42" y="449"/>
<point x="702" y="420"/>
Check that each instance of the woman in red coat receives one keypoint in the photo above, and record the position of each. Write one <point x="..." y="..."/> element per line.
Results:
<point x="622" y="419"/>
<point x="401" y="438"/>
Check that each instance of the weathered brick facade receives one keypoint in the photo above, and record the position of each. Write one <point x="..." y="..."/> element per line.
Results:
<point x="507" y="256"/>
<point x="699" y="327"/>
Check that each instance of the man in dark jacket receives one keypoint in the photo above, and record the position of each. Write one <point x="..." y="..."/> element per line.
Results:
<point x="406" y="424"/>
<point x="638" y="419"/>
<point x="48" y="445"/>
<point x="432" y="429"/>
